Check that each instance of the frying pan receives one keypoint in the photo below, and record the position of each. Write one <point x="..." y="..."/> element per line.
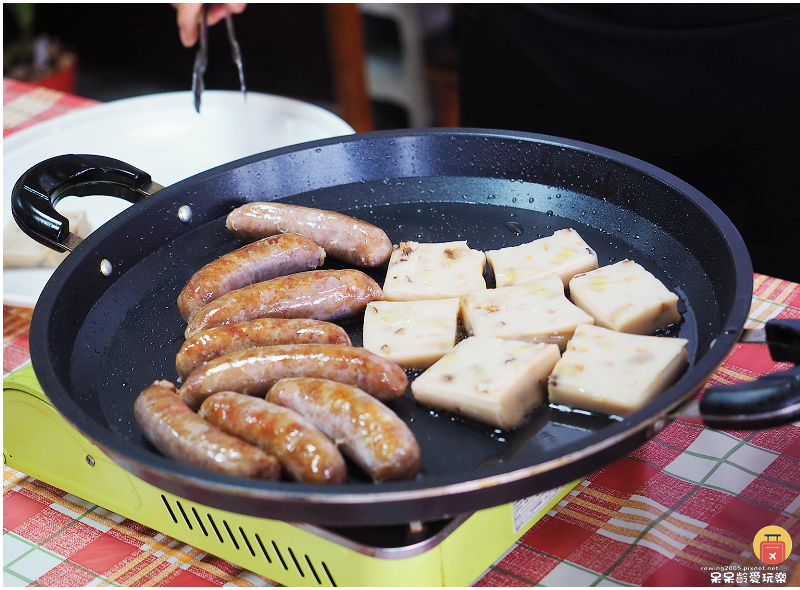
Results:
<point x="107" y="325"/>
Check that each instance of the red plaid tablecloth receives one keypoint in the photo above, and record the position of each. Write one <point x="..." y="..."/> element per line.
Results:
<point x="25" y="105"/>
<point x="52" y="538"/>
<point x="682" y="510"/>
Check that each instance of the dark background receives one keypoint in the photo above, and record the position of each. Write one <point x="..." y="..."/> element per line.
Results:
<point x="127" y="50"/>
<point x="736" y="143"/>
<point x="133" y="49"/>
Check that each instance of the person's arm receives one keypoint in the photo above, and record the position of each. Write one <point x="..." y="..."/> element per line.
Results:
<point x="189" y="16"/>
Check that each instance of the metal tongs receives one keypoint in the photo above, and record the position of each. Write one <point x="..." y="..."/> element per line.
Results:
<point x="201" y="59"/>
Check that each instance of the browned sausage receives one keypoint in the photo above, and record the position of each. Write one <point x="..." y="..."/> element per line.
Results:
<point x="180" y="434"/>
<point x="262" y="260"/>
<point x="305" y="453"/>
<point x="366" y="430"/>
<point x="316" y="294"/>
<point x="255" y="370"/>
<point x="215" y="342"/>
<point x="343" y="237"/>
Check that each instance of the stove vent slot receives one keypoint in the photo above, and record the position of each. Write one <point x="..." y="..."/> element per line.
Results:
<point x="199" y="521"/>
<point x="242" y="542"/>
<point x="185" y="518"/>
<point x="169" y="509"/>
<point x="263" y="549"/>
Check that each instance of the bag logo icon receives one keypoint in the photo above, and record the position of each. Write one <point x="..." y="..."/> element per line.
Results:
<point x="772" y="545"/>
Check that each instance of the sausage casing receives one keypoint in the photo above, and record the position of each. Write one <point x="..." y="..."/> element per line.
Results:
<point x="342" y="237"/>
<point x="180" y="434"/>
<point x="304" y="452"/>
<point x="262" y="260"/>
<point x="315" y="294"/>
<point x="365" y="429"/>
<point x="255" y="370"/>
<point x="215" y="342"/>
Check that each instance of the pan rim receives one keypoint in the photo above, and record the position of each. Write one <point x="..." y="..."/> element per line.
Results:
<point x="654" y="416"/>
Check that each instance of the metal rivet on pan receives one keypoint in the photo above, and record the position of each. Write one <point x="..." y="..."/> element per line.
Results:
<point x="657" y="427"/>
<point x="90" y="460"/>
<point x="105" y="267"/>
<point x="185" y="213"/>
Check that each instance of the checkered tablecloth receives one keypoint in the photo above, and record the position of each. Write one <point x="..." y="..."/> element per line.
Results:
<point x="25" y="105"/>
<point x="52" y="538"/>
<point x="682" y="510"/>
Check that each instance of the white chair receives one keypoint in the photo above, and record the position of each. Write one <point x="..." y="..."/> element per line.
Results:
<point x="400" y="79"/>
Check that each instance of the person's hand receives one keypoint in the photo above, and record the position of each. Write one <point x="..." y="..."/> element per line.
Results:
<point x="189" y="17"/>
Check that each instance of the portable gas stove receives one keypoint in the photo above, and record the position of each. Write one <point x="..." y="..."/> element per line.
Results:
<point x="40" y="443"/>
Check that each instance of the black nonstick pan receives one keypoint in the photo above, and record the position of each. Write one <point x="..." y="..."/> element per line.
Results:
<point x="107" y="325"/>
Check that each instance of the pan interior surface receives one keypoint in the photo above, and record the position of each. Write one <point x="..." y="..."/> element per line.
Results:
<point x="450" y="445"/>
<point x="128" y="335"/>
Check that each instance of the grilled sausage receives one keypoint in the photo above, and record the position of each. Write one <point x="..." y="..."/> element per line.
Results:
<point x="215" y="342"/>
<point x="315" y="294"/>
<point x="255" y="370"/>
<point x="366" y="430"/>
<point x="262" y="260"/>
<point x="305" y="453"/>
<point x="343" y="237"/>
<point x="180" y="434"/>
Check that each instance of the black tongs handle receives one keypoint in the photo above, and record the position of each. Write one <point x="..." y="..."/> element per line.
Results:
<point x="783" y="339"/>
<point x="200" y="59"/>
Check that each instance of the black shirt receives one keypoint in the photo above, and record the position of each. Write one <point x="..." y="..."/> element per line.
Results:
<point x="708" y="92"/>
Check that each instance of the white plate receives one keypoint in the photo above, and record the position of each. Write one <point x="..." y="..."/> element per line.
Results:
<point x="162" y="135"/>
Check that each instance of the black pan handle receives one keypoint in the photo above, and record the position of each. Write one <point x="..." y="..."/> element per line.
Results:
<point x="37" y="192"/>
<point x="769" y="401"/>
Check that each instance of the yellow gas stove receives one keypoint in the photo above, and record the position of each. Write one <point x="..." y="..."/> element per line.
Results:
<point x="451" y="552"/>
